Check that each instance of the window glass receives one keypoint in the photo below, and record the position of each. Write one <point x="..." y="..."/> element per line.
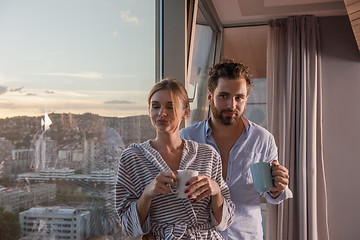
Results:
<point x="256" y="104"/>
<point x="202" y="52"/>
<point x="74" y="79"/>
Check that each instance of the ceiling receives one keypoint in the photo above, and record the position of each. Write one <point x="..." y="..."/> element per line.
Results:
<point x="240" y="12"/>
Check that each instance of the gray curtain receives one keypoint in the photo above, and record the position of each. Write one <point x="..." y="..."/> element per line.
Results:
<point x="295" y="119"/>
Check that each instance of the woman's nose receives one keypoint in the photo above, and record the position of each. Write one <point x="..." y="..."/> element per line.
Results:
<point x="162" y="112"/>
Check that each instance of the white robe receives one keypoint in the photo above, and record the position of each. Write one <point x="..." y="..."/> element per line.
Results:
<point x="170" y="217"/>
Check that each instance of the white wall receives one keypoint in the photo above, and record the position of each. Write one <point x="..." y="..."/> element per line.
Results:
<point x="341" y="124"/>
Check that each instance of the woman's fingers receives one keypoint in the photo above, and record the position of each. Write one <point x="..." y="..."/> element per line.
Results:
<point x="161" y="184"/>
<point x="202" y="186"/>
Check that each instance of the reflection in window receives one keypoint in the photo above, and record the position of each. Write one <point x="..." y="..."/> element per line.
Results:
<point x="200" y="65"/>
<point x="256" y="104"/>
<point x="74" y="78"/>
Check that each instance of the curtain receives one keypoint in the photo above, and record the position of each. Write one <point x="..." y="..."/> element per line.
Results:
<point x="295" y="119"/>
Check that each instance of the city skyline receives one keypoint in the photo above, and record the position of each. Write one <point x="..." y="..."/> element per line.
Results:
<point x="76" y="57"/>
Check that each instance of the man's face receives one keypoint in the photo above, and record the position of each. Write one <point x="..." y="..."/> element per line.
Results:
<point x="228" y="102"/>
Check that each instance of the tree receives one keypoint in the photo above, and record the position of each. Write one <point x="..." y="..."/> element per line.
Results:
<point x="9" y="225"/>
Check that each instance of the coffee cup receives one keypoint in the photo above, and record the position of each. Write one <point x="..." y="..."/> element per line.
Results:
<point x="183" y="177"/>
<point x="261" y="175"/>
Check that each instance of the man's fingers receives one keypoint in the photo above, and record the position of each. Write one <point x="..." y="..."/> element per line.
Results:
<point x="275" y="162"/>
<point x="280" y="185"/>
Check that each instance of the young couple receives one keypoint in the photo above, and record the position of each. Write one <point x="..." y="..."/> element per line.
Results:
<point x="220" y="148"/>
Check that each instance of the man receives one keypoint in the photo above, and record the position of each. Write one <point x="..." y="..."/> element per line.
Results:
<point x="240" y="142"/>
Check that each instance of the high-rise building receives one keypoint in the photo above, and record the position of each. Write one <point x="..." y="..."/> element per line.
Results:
<point x="45" y="153"/>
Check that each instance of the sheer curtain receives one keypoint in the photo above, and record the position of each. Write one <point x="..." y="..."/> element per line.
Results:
<point x="295" y="119"/>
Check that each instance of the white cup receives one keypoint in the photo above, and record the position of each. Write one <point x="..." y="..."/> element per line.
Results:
<point x="183" y="177"/>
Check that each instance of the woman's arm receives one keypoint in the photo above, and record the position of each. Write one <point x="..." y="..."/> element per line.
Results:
<point x="160" y="185"/>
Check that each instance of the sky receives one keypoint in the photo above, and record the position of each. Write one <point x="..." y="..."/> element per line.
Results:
<point x="76" y="56"/>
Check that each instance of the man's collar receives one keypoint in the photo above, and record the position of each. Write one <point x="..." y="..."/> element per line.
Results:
<point x="207" y="127"/>
<point x="246" y="123"/>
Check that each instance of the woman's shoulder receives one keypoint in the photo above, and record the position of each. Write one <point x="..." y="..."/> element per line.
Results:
<point x="135" y="149"/>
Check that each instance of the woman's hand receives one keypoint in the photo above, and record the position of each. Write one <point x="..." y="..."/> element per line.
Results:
<point x="161" y="184"/>
<point x="202" y="186"/>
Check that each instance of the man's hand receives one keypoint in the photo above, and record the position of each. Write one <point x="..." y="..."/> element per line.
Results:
<point x="280" y="178"/>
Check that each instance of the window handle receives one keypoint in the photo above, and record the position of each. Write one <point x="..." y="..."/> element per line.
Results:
<point x="194" y="94"/>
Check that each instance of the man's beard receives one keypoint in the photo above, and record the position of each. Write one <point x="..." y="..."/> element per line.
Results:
<point x="226" y="120"/>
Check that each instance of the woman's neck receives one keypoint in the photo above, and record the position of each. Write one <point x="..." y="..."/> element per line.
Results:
<point x="167" y="142"/>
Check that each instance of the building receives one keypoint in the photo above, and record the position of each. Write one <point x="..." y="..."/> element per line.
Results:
<point x="15" y="199"/>
<point x="45" y="153"/>
<point x="58" y="222"/>
<point x="21" y="160"/>
<point x="105" y="175"/>
<point x="5" y="157"/>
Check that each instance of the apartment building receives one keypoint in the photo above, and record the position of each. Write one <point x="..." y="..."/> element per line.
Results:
<point x="58" y="222"/>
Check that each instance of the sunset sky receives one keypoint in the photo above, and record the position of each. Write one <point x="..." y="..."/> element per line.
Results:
<point x="76" y="56"/>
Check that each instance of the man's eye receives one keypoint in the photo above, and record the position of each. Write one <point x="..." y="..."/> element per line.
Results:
<point x="155" y="106"/>
<point x="170" y="107"/>
<point x="240" y="98"/>
<point x="222" y="96"/>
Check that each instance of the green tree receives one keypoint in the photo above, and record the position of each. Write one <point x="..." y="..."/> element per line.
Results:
<point x="9" y="225"/>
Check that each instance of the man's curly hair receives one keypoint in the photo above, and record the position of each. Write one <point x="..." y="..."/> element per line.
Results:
<point x="228" y="69"/>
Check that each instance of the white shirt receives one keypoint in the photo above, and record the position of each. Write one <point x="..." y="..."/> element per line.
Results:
<point x="255" y="144"/>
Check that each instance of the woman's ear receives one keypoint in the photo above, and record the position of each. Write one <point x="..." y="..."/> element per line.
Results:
<point x="186" y="113"/>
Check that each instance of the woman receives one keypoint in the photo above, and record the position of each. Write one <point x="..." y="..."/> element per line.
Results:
<point x="148" y="170"/>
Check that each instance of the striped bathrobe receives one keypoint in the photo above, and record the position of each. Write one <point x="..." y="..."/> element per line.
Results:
<point x="170" y="217"/>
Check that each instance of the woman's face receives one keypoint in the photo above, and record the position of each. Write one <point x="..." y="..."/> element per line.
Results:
<point x="161" y="111"/>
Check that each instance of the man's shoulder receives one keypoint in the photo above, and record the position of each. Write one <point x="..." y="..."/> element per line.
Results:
<point x="193" y="131"/>
<point x="258" y="130"/>
<point x="259" y="134"/>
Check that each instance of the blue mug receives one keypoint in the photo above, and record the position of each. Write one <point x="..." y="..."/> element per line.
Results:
<point x="261" y="175"/>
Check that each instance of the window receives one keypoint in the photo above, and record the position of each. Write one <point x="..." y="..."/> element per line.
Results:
<point x="74" y="78"/>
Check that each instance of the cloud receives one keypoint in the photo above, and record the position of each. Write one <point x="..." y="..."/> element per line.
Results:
<point x="87" y="75"/>
<point x="31" y="94"/>
<point x="122" y="75"/>
<point x="49" y="91"/>
<point x="115" y="33"/>
<point x="16" y="89"/>
<point x="118" y="102"/>
<point x="125" y="16"/>
<point x="3" y="89"/>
